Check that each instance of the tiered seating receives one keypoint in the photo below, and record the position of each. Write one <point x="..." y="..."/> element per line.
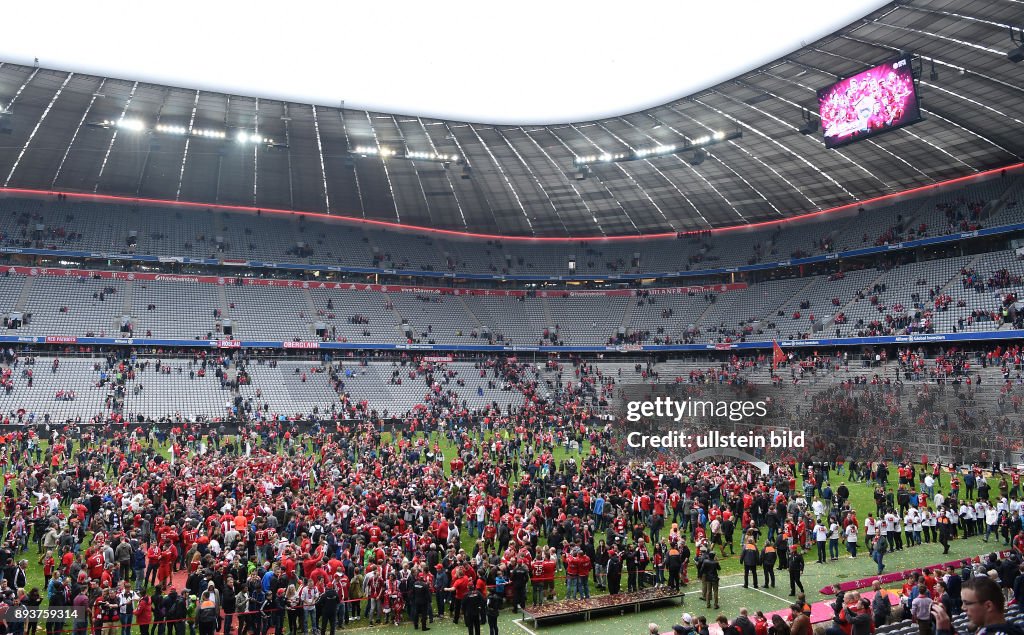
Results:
<point x="181" y="310"/>
<point x="435" y="318"/>
<point x="75" y="375"/>
<point x="916" y="297"/>
<point x="647" y="315"/>
<point x="271" y="235"/>
<point x="1013" y="212"/>
<point x="346" y="306"/>
<point x="585" y="320"/>
<point x="165" y="395"/>
<point x="85" y="312"/>
<point x="752" y="308"/>
<point x="512" y="321"/>
<point x="188" y="234"/>
<point x="907" y="293"/>
<point x="994" y="275"/>
<point x="275" y="238"/>
<point x="407" y="251"/>
<point x="281" y="313"/>
<point x="10" y="291"/>
<point x="818" y="298"/>
<point x="291" y="387"/>
<point x="285" y="391"/>
<point x="958" y="211"/>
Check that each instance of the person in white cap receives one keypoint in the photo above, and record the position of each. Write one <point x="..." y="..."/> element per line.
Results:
<point x="685" y="627"/>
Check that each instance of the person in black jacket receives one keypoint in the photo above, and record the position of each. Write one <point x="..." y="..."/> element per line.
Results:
<point x="494" y="604"/>
<point x="630" y="560"/>
<point x="796" y="567"/>
<point x="473" y="610"/>
<point x="954" y="583"/>
<point x="614" y="572"/>
<point x="159" y="612"/>
<point x="175" y="611"/>
<point x="709" y="569"/>
<point x="674" y="563"/>
<point x="750" y="558"/>
<point x="420" y="603"/>
<point x="327" y="609"/>
<point x="768" y="558"/>
<point x="842" y="494"/>
<point x="743" y="623"/>
<point x="782" y="552"/>
<point x="227" y="601"/>
<point x="520" y="578"/>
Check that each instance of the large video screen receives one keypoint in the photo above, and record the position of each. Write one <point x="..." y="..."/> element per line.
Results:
<point x="871" y="102"/>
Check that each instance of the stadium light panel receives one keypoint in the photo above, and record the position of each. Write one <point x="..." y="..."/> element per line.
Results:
<point x="131" y="124"/>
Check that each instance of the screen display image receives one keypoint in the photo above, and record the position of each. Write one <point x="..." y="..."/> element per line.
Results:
<point x="874" y="101"/>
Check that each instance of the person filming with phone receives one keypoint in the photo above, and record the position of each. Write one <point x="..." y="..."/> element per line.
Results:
<point x="983" y="604"/>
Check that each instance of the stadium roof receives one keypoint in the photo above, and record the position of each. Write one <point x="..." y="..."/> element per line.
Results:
<point x="549" y="62"/>
<point x="522" y="180"/>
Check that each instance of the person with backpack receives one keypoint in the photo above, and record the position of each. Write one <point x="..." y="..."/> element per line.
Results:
<point x="709" y="569"/>
<point x="207" y="614"/>
<point x="175" y="612"/>
<point x="674" y="563"/>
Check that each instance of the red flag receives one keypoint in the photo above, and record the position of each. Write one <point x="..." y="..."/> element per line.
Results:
<point x="778" y="355"/>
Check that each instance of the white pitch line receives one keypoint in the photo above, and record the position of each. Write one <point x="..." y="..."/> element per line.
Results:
<point x="775" y="596"/>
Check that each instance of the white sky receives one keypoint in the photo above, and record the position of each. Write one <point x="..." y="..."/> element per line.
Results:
<point x="529" y="61"/>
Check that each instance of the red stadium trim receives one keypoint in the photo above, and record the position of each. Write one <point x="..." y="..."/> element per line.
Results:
<point x="541" y="239"/>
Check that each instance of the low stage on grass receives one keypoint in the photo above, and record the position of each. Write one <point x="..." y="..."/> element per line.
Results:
<point x="638" y="600"/>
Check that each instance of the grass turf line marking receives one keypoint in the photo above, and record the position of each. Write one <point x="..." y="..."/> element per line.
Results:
<point x="787" y="602"/>
<point x="520" y="624"/>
